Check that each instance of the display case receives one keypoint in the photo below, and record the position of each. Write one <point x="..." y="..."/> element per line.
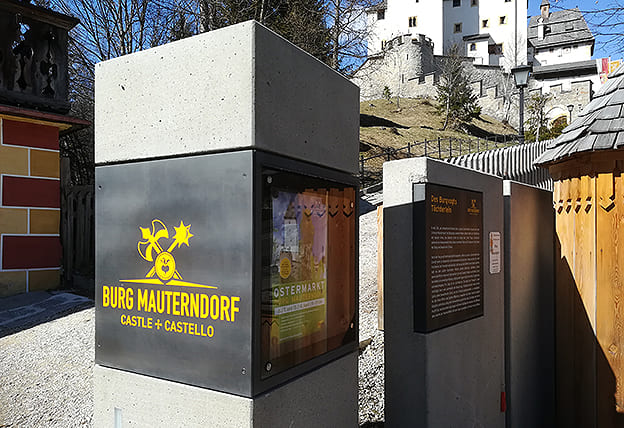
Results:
<point x="230" y="271"/>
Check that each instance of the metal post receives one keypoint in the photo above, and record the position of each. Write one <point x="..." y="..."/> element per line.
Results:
<point x="425" y="147"/>
<point x="361" y="164"/>
<point x="439" y="148"/>
<point x="409" y="150"/>
<point x="521" y="127"/>
<point x="460" y="152"/>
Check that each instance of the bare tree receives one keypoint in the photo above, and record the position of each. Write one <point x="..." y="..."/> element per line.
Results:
<point x="606" y="22"/>
<point x="536" y="115"/>
<point x="108" y="29"/>
<point x="346" y="20"/>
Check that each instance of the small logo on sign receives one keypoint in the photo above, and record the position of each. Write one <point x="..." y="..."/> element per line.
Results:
<point x="152" y="248"/>
<point x="473" y="210"/>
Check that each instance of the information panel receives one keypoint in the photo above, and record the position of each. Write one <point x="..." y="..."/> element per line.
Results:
<point x="449" y="263"/>
<point x="308" y="297"/>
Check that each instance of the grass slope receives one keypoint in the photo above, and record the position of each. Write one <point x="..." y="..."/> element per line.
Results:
<point x="384" y="128"/>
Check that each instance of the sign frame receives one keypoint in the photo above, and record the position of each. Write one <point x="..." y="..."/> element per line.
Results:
<point x="437" y="206"/>
<point x="265" y="162"/>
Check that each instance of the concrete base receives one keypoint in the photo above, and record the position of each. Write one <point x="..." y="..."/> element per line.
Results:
<point x="326" y="397"/>
<point x="452" y="377"/>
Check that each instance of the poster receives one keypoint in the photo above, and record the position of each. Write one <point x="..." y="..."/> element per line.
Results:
<point x="309" y="247"/>
<point x="299" y="284"/>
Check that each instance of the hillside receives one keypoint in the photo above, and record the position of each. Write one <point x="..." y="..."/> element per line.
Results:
<point x="384" y="129"/>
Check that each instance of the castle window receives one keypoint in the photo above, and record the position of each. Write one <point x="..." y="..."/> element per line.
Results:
<point x="412" y="21"/>
<point x="456" y="3"/>
<point x="496" y="49"/>
<point x="473" y="47"/>
<point x="485" y="23"/>
<point x="381" y="14"/>
<point x="474" y="2"/>
<point x="502" y="20"/>
<point x="457" y="28"/>
<point x="507" y="1"/>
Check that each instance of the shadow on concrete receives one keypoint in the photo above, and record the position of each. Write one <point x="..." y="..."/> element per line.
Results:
<point x="27" y="310"/>
<point x="372" y="425"/>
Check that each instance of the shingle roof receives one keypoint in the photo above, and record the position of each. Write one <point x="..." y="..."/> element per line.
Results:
<point x="599" y="126"/>
<point x="564" y="27"/>
<point x="588" y="65"/>
<point x="379" y="6"/>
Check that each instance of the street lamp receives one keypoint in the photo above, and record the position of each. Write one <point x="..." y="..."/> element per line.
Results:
<point x="521" y="78"/>
<point x="570" y="108"/>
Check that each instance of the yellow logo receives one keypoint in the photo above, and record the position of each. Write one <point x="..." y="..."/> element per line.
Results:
<point x="164" y="270"/>
<point x="473" y="210"/>
<point x="285" y="268"/>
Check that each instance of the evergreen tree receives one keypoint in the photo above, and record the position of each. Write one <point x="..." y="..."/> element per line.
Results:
<point x="303" y="24"/>
<point x="456" y="100"/>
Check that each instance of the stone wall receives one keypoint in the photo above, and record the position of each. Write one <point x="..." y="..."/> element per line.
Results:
<point x="409" y="69"/>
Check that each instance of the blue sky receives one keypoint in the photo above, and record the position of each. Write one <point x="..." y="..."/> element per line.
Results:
<point x="584" y="5"/>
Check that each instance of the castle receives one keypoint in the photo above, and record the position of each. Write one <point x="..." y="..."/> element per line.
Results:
<point x="486" y="30"/>
<point x="558" y="45"/>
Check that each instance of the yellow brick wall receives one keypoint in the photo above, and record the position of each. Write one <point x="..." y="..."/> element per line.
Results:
<point x="44" y="163"/>
<point x="12" y="283"/>
<point x="45" y="221"/>
<point x="13" y="160"/>
<point x="13" y="220"/>
<point x="41" y="280"/>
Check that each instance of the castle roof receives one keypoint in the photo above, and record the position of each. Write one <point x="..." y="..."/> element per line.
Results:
<point x="474" y="37"/>
<point x="379" y="6"/>
<point x="576" y="68"/>
<point x="562" y="28"/>
<point x="599" y="126"/>
<point x="545" y="3"/>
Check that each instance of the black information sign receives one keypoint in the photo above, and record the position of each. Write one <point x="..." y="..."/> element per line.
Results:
<point x="448" y="263"/>
<point x="173" y="269"/>
<point x="225" y="271"/>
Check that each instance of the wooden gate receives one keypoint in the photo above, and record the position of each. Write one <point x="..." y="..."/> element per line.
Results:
<point x="78" y="236"/>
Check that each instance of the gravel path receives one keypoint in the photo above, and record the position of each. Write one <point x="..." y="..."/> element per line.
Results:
<point x="46" y="374"/>
<point x="46" y="371"/>
<point x="371" y="368"/>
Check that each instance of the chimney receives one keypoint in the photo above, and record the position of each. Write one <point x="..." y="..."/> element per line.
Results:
<point x="540" y="29"/>
<point x="545" y="9"/>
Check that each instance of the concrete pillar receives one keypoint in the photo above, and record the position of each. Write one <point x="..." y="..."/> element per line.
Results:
<point x="192" y="140"/>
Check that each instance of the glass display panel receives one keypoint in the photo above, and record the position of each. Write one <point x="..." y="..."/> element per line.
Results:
<point x="308" y="285"/>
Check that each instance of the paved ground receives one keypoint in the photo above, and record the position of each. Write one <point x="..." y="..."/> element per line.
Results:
<point x="29" y="309"/>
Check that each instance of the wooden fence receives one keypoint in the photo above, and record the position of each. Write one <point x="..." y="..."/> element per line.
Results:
<point x="78" y="235"/>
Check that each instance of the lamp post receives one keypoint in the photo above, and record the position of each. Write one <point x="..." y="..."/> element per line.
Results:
<point x="570" y="108"/>
<point x="521" y="78"/>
